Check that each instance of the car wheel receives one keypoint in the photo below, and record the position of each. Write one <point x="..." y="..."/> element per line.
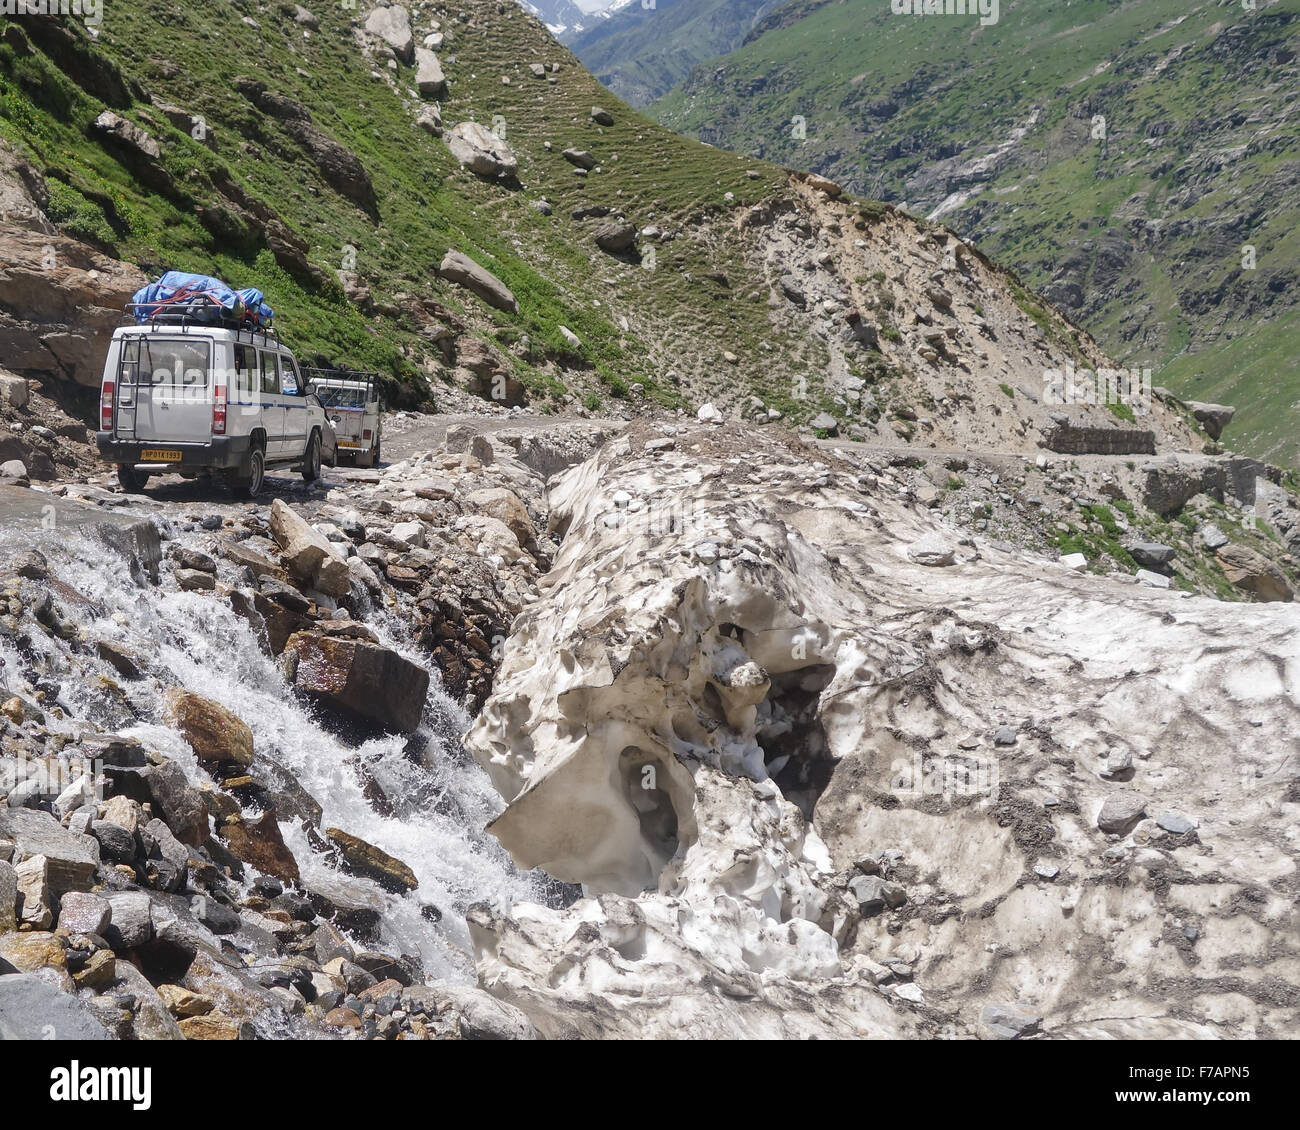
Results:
<point x="251" y="486"/>
<point x="311" y="463"/>
<point x="131" y="480"/>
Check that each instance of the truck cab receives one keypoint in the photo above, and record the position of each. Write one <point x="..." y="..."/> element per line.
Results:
<point x="352" y="403"/>
<point x="185" y="397"/>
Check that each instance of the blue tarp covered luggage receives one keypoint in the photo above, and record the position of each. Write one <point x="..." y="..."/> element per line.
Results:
<point x="201" y="298"/>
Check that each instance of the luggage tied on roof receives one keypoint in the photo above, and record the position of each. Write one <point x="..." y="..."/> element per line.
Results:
<point x="202" y="298"/>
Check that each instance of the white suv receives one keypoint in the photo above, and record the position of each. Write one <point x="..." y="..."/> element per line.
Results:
<point x="187" y="398"/>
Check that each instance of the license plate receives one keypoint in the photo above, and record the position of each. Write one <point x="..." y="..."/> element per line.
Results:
<point x="348" y="443"/>
<point x="159" y="455"/>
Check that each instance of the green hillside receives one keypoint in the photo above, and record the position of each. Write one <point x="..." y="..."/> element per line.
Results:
<point x="1118" y="155"/>
<point x="178" y="213"/>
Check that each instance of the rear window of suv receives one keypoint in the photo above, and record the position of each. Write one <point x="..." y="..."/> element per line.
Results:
<point x="180" y="364"/>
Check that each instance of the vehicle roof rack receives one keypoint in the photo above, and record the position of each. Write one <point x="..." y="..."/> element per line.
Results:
<point x="187" y="322"/>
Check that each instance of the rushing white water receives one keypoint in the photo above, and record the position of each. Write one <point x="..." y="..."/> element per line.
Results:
<point x="440" y="804"/>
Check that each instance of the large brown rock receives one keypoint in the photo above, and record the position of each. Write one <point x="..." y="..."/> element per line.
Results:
<point x="260" y="844"/>
<point x="359" y="678"/>
<point x="214" y="733"/>
<point x="504" y="505"/>
<point x="463" y="271"/>
<point x="1254" y="573"/>
<point x="59" y="304"/>
<point x="615" y="237"/>
<point x="372" y="862"/>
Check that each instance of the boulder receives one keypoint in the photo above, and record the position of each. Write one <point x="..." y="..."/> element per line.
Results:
<point x="429" y="79"/>
<point x="478" y="149"/>
<point x="393" y="26"/>
<point x="31" y="1009"/>
<point x="505" y="506"/>
<point x="359" y="678"/>
<point x="13" y="391"/>
<point x="365" y="859"/>
<point x="601" y="116"/>
<point x="429" y="119"/>
<point x="1212" y="417"/>
<point x="1121" y="811"/>
<point x="792" y="288"/>
<point x="579" y="157"/>
<point x="214" y="733"/>
<point x="1170" y="483"/>
<point x="615" y="237"/>
<point x="260" y="844"/>
<point x="210" y="1026"/>
<point x="463" y="271"/>
<point x="83" y="913"/>
<point x="34" y="895"/>
<point x="480" y="1016"/>
<point x="931" y="550"/>
<point x="8" y="898"/>
<point x="1212" y="537"/>
<point x="823" y="184"/>
<point x="1151" y="554"/>
<point x="130" y="920"/>
<point x="152" y="1021"/>
<point x="308" y="553"/>
<point x="127" y="134"/>
<point x="181" y="805"/>
<point x="71" y="858"/>
<point x="1254" y="573"/>
<point x="116" y="844"/>
<point x="1009" y="1021"/>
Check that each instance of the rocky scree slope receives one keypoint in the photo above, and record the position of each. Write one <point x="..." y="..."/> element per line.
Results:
<point x="1120" y="157"/>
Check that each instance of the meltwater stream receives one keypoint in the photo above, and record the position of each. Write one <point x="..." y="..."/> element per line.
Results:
<point x="440" y="806"/>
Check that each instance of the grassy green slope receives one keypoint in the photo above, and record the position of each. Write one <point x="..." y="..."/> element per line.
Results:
<point x="1139" y="236"/>
<point x="188" y="56"/>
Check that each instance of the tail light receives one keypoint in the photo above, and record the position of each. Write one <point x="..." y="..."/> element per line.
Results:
<point x="106" y="407"/>
<point x="219" y="411"/>
<point x="367" y="434"/>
